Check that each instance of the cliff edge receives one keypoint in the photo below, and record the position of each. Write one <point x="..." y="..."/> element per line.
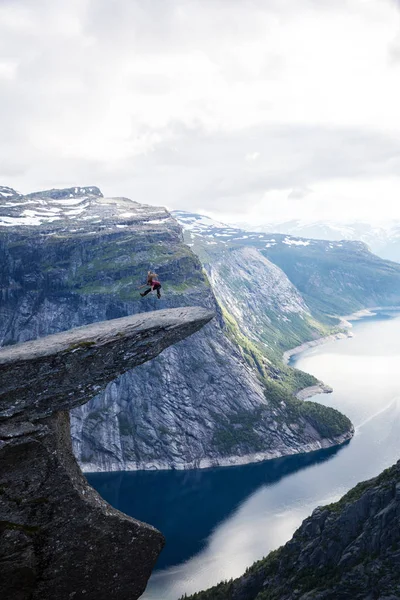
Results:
<point x="349" y="549"/>
<point x="59" y="539"/>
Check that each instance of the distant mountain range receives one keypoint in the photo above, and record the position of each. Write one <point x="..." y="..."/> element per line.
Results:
<point x="205" y="226"/>
<point x="333" y="277"/>
<point x="383" y="240"/>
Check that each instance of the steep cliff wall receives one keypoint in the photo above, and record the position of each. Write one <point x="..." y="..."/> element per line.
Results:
<point x="71" y="257"/>
<point x="350" y="549"/>
<point x="58" y="538"/>
<point x="333" y="277"/>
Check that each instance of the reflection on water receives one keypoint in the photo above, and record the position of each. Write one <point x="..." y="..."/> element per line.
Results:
<point x="219" y="521"/>
<point x="186" y="505"/>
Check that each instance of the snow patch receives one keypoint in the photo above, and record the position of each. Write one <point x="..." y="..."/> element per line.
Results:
<point x="10" y="221"/>
<point x="16" y="203"/>
<point x="199" y="222"/>
<point x="69" y="201"/>
<point x="75" y="211"/>
<point x="290" y="242"/>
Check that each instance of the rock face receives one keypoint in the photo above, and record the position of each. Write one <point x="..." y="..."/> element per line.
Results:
<point x="58" y="538"/>
<point x="266" y="306"/>
<point x="72" y="257"/>
<point x="333" y="277"/>
<point x="350" y="549"/>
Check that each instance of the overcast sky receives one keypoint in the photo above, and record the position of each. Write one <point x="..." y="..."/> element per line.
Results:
<point x="249" y="110"/>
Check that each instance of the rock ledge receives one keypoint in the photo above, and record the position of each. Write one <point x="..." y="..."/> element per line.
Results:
<point x="58" y="537"/>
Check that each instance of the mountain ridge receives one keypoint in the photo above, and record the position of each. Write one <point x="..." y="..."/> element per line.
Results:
<point x="334" y="278"/>
<point x="214" y="399"/>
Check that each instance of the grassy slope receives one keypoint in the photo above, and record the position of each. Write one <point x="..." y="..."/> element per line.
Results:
<point x="280" y="383"/>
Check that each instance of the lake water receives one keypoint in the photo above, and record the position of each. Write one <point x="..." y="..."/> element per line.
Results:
<point x="217" y="522"/>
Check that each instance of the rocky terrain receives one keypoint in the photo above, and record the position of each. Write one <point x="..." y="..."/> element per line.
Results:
<point x="72" y="257"/>
<point x="347" y="550"/>
<point x="333" y="277"/>
<point x="382" y="238"/>
<point x="58" y="538"/>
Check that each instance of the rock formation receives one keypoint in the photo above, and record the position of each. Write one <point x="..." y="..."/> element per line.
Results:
<point x="59" y="539"/>
<point x="73" y="257"/>
<point x="346" y="550"/>
<point x="333" y="277"/>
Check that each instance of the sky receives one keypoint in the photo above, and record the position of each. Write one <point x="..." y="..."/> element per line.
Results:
<point x="246" y="110"/>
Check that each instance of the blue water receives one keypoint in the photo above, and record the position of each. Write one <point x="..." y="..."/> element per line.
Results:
<point x="219" y="521"/>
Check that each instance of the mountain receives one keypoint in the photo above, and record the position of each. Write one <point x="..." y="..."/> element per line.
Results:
<point x="50" y="518"/>
<point x="382" y="239"/>
<point x="334" y="278"/>
<point x="72" y="257"/>
<point x="350" y="549"/>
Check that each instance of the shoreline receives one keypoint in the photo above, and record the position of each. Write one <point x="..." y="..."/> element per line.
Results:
<point x="223" y="461"/>
<point x="318" y="342"/>
<point x="345" y="323"/>
<point x="313" y="390"/>
<point x="232" y="461"/>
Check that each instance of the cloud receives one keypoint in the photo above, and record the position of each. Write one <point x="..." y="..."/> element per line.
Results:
<point x="299" y="193"/>
<point x="199" y="105"/>
<point x="252" y="156"/>
<point x="205" y="168"/>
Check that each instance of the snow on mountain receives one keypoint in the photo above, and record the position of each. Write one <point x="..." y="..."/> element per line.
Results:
<point x="76" y="210"/>
<point x="213" y="232"/>
<point x="197" y="223"/>
<point x="382" y="239"/>
<point x="7" y="192"/>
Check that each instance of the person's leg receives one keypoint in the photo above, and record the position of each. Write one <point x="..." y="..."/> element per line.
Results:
<point x="146" y="292"/>
<point x="158" y="288"/>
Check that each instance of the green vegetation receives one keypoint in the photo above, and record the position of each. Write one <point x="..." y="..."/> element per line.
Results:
<point x="251" y="353"/>
<point x="340" y="280"/>
<point x="280" y="382"/>
<point x="386" y="478"/>
<point x="29" y="529"/>
<point x="327" y="421"/>
<point x="114" y="265"/>
<point x="281" y="563"/>
<point x="84" y="344"/>
<point x="222" y="591"/>
<point x="239" y="430"/>
<point x="225" y="590"/>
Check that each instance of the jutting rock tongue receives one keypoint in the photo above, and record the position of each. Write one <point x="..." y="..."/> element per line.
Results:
<point x="58" y="538"/>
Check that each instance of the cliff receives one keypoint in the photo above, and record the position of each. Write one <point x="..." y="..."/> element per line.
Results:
<point x="58" y="538"/>
<point x="72" y="257"/>
<point x="333" y="277"/>
<point x="350" y="549"/>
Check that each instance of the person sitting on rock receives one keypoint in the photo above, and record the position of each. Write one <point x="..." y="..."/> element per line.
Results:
<point x="154" y="284"/>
